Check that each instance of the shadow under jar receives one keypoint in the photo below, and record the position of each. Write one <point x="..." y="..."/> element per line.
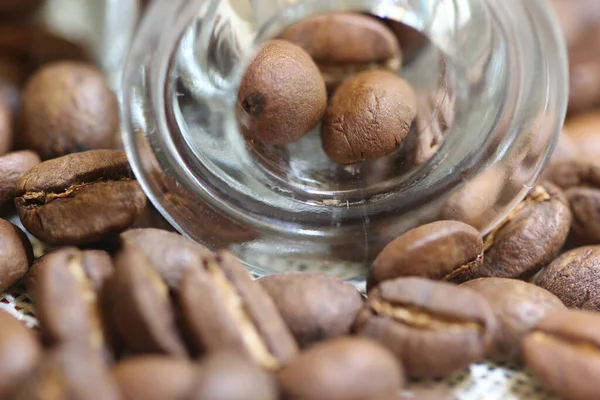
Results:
<point x="491" y="82"/>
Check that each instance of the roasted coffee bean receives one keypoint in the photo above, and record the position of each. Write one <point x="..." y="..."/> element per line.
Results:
<point x="518" y="306"/>
<point x="343" y="44"/>
<point x="574" y="277"/>
<point x="19" y="352"/>
<point x="368" y="117"/>
<point x="16" y="254"/>
<point x="67" y="287"/>
<point x="140" y="306"/>
<point x="154" y="377"/>
<point x="529" y="238"/>
<point x="345" y="369"/>
<point x="282" y="96"/>
<point x="67" y="107"/>
<point x="79" y="198"/>
<point x="440" y="250"/>
<point x="224" y="309"/>
<point x="314" y="306"/>
<point x="46" y="47"/>
<point x="584" y="132"/>
<point x="229" y="376"/>
<point x="6" y="128"/>
<point x="68" y="373"/>
<point x="564" y="354"/>
<point x="12" y="168"/>
<point x="169" y="253"/>
<point x="434" y="328"/>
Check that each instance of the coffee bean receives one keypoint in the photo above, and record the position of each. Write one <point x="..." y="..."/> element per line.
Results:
<point x="564" y="354"/>
<point x="67" y="287"/>
<point x="529" y="238"/>
<point x="518" y="306"/>
<point x="19" y="352"/>
<point x="154" y="377"/>
<point x="68" y="373"/>
<point x="434" y="328"/>
<point x="342" y="369"/>
<point x="592" y="304"/>
<point x="343" y="44"/>
<point x="170" y="254"/>
<point x="13" y="72"/>
<point x="140" y="306"/>
<point x="12" y="168"/>
<point x="16" y="254"/>
<point x="6" y="129"/>
<point x="224" y="309"/>
<point x="440" y="250"/>
<point x="282" y="95"/>
<point x="229" y="376"/>
<point x="368" y="117"/>
<point x="574" y="277"/>
<point x="584" y="132"/>
<point x="67" y="107"/>
<point x="313" y="305"/>
<point x="79" y="198"/>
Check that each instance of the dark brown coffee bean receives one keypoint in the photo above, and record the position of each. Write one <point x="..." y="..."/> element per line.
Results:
<point x="12" y="168"/>
<point x="224" y="309"/>
<point x="368" y="117"/>
<point x="440" y="250"/>
<point x="67" y="287"/>
<point x="169" y="253"/>
<point x="434" y="328"/>
<point x="79" y="198"/>
<point x="282" y="96"/>
<point x="574" y="277"/>
<point x="19" y="352"/>
<point x="68" y="373"/>
<point x="342" y="369"/>
<point x="564" y="354"/>
<point x="343" y="44"/>
<point x="153" y="377"/>
<point x="140" y="306"/>
<point x="518" y="307"/>
<point x="46" y="47"/>
<point x="529" y="238"/>
<point x="67" y="107"/>
<point x="229" y="376"/>
<point x="314" y="306"/>
<point x="6" y="128"/>
<point x="16" y="254"/>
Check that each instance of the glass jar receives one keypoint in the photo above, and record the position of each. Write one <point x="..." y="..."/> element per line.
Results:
<point x="491" y="79"/>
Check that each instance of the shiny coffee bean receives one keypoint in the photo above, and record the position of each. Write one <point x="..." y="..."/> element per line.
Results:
<point x="79" y="198"/>
<point x="12" y="168"/>
<point x="314" y="306"/>
<point x="440" y="250"/>
<point x="574" y="277"/>
<point x="342" y="369"/>
<point x="368" y="117"/>
<point x="16" y="254"/>
<point x="564" y="354"/>
<point x="343" y="44"/>
<point x="518" y="306"/>
<point x="224" y="309"/>
<point x="434" y="328"/>
<point x="282" y="96"/>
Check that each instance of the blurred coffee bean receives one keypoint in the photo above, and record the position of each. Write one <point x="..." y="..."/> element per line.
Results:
<point x="584" y="132"/>
<point x="16" y="254"/>
<point x="12" y="168"/>
<point x="6" y="127"/>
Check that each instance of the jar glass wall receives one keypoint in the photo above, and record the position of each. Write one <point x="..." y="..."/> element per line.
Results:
<point x="491" y="81"/>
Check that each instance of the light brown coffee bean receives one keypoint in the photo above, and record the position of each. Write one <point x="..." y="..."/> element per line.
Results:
<point x="368" y="117"/>
<point x="154" y="377"/>
<point x="434" y="328"/>
<point x="574" y="277"/>
<point x="342" y="369"/>
<point x="12" y="168"/>
<point x="343" y="44"/>
<point x="16" y="254"/>
<point x="19" y="352"/>
<point x="584" y="132"/>
<point x="282" y="95"/>
<point x="440" y="250"/>
<point x="518" y="307"/>
<point x="224" y="309"/>
<point x="564" y="354"/>
<point x="6" y="127"/>
<point x="140" y="306"/>
<point x="67" y="107"/>
<point x="314" y="306"/>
